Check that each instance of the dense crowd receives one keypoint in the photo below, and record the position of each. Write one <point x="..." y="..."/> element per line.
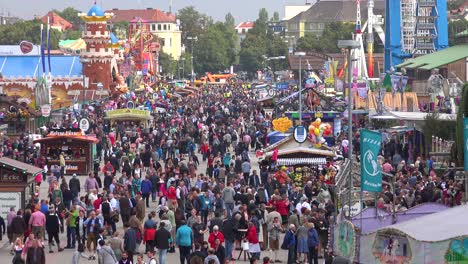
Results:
<point x="211" y="216"/>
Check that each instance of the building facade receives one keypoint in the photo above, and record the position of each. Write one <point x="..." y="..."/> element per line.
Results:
<point x="164" y="25"/>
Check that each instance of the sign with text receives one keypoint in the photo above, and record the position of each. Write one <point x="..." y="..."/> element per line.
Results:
<point x="7" y="200"/>
<point x="371" y="172"/>
<point x="118" y="112"/>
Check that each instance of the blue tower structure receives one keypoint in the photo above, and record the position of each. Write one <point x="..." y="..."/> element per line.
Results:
<point x="414" y="27"/>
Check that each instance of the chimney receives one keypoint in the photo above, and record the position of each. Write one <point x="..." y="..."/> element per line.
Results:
<point x="115" y="8"/>
<point x="149" y="8"/>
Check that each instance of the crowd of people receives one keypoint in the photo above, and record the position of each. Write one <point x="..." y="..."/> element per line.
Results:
<point x="148" y="179"/>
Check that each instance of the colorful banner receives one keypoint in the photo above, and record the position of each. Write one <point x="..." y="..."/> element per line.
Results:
<point x="371" y="172"/>
<point x="465" y="141"/>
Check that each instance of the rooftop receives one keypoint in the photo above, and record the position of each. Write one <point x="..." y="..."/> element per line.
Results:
<point x="337" y="11"/>
<point x="20" y="165"/>
<point x="150" y="15"/>
<point x="246" y="25"/>
<point x="437" y="59"/>
<point x="56" y="21"/>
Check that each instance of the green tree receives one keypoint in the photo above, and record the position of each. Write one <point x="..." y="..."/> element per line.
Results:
<point x="229" y="20"/>
<point x="458" y="151"/>
<point x="120" y="29"/>
<point x="275" y="17"/>
<point x="72" y="34"/>
<point x="169" y="65"/>
<point x="253" y="48"/>
<point x="184" y="65"/>
<point x="192" y="24"/>
<point x="455" y="27"/>
<point x="262" y="16"/>
<point x="434" y="126"/>
<point x="71" y="15"/>
<point x="211" y="52"/>
<point x="29" y="30"/>
<point x="328" y="40"/>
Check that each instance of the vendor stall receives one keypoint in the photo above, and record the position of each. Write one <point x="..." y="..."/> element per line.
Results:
<point x="16" y="184"/>
<point x="140" y="117"/>
<point x="77" y="148"/>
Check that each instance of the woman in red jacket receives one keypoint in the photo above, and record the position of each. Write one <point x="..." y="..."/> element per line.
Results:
<point x="252" y="238"/>
<point x="282" y="205"/>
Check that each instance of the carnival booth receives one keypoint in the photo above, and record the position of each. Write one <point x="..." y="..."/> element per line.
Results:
<point x="438" y="241"/>
<point x="16" y="184"/>
<point x="137" y="116"/>
<point x="77" y="148"/>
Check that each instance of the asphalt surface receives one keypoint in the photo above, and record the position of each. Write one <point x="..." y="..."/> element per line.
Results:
<point x="172" y="258"/>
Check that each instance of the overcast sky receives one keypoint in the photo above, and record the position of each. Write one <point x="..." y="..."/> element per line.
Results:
<point x="243" y="10"/>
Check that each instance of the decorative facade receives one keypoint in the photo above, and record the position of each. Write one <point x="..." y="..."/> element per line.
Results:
<point x="97" y="58"/>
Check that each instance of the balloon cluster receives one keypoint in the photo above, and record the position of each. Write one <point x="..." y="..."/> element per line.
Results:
<point x="282" y="124"/>
<point x="317" y="130"/>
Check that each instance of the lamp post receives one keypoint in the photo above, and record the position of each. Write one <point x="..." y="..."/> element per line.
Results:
<point x="350" y="45"/>
<point x="193" y="39"/>
<point x="300" y="55"/>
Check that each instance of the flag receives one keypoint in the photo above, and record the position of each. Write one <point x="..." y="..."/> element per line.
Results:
<point x="371" y="172"/>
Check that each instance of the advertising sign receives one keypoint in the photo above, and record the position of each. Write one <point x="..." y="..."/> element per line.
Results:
<point x="9" y="199"/>
<point x="45" y="110"/>
<point x="371" y="172"/>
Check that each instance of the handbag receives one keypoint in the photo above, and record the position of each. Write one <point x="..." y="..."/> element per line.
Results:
<point x="245" y="245"/>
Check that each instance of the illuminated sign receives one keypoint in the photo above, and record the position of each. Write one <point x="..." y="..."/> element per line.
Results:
<point x="120" y="112"/>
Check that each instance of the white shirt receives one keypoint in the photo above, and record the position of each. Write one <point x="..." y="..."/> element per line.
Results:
<point x="300" y="205"/>
<point x="113" y="203"/>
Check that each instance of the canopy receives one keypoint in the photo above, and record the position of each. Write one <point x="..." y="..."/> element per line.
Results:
<point x="437" y="59"/>
<point x="413" y="116"/>
<point x="88" y="139"/>
<point x="435" y="227"/>
<point x="128" y="114"/>
<point x="72" y="46"/>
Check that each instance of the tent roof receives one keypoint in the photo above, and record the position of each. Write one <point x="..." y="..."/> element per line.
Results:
<point x="29" y="66"/>
<point x="437" y="59"/>
<point x="21" y="165"/>
<point x="435" y="227"/>
<point x="413" y="116"/>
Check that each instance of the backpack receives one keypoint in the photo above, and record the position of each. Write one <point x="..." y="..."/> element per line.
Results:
<point x="105" y="208"/>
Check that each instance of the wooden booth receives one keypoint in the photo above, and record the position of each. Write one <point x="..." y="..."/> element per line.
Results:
<point x="78" y="149"/>
<point x="129" y="116"/>
<point x="16" y="184"/>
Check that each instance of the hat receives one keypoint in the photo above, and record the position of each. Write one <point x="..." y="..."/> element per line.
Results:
<point x="74" y="175"/>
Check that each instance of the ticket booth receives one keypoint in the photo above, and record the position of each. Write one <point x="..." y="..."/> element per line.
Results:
<point x="16" y="184"/>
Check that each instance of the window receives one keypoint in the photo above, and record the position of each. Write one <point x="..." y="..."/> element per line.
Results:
<point x="321" y="26"/>
<point x="159" y="27"/>
<point x="170" y="42"/>
<point x="243" y="31"/>
<point x="165" y="27"/>
<point x="312" y="26"/>
<point x="153" y="27"/>
<point x="162" y="42"/>
<point x="169" y="27"/>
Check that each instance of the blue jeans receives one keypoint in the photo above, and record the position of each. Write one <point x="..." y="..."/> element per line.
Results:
<point x="229" y="209"/>
<point x="229" y="245"/>
<point x="71" y="236"/>
<point x="162" y="256"/>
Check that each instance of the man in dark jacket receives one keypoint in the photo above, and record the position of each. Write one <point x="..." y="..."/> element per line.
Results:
<point x="130" y="241"/>
<point x="18" y="226"/>
<point x="162" y="240"/>
<point x="74" y="186"/>
<point x="2" y="227"/>
<point x="53" y="228"/>
<point x="125" y="208"/>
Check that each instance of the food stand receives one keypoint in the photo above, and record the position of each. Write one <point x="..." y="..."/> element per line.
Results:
<point x="78" y="149"/>
<point x="16" y="184"/>
<point x="140" y="117"/>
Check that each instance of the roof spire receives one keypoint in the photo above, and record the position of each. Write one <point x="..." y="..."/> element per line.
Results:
<point x="95" y="2"/>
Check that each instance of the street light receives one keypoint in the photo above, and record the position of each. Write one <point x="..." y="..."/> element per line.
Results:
<point x="350" y="45"/>
<point x="192" y="75"/>
<point x="300" y="55"/>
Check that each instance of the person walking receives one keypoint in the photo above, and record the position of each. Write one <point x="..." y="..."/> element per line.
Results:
<point x="37" y="223"/>
<point x="312" y="243"/>
<point x="140" y="208"/>
<point x="184" y="241"/>
<point x="75" y="186"/>
<point x="106" y="254"/>
<point x="274" y="230"/>
<point x="289" y="243"/>
<point x="53" y="228"/>
<point x="71" y="227"/>
<point x="93" y="225"/>
<point x="228" y="198"/>
<point x="146" y="189"/>
<point x="130" y="242"/>
<point x="35" y="253"/>
<point x="163" y="242"/>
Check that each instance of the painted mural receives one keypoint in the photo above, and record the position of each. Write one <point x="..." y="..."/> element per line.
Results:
<point x="345" y="240"/>
<point x="457" y="252"/>
<point x="392" y="248"/>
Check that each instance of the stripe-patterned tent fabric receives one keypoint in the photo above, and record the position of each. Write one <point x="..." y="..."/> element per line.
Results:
<point x="302" y="161"/>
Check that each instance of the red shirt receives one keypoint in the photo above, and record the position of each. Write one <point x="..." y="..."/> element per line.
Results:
<point x="252" y="235"/>
<point x="213" y="237"/>
<point x="171" y="193"/>
<point x="97" y="203"/>
<point x="281" y="207"/>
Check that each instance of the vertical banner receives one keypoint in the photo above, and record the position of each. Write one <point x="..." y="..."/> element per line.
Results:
<point x="465" y="142"/>
<point x="371" y="172"/>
